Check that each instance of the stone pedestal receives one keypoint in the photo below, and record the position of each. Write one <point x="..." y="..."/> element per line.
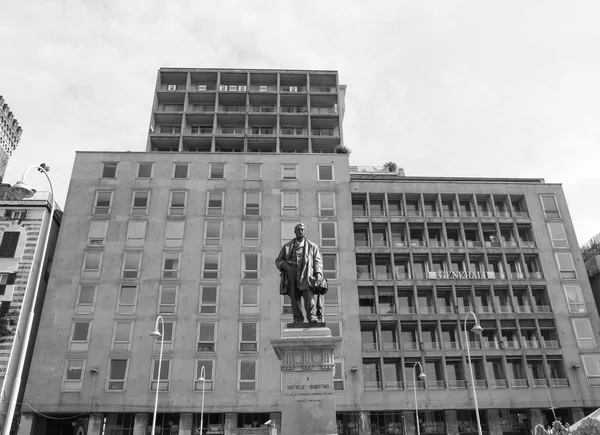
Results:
<point x="307" y="365"/>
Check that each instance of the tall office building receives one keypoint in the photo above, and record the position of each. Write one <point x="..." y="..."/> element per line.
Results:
<point x="10" y="135"/>
<point x="189" y="230"/>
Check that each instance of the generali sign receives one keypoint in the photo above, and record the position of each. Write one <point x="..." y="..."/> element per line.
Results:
<point x="460" y="275"/>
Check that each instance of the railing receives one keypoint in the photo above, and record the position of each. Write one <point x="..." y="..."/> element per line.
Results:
<point x="367" y="310"/>
<point x="436" y="244"/>
<point x="502" y="214"/>
<point x="327" y="110"/>
<point x="202" y="87"/>
<point x="531" y="344"/>
<point x="380" y="243"/>
<point x="429" y="345"/>
<point x="364" y="276"/>
<point x="543" y="309"/>
<point x="293" y="109"/>
<point x="551" y="344"/>
<point x="451" y="213"/>
<point x="198" y="130"/>
<point x="457" y="384"/>
<point x="510" y="243"/>
<point x="492" y="244"/>
<point x="361" y="243"/>
<point x="455" y="244"/>
<point x="407" y="310"/>
<point x="325" y="132"/>
<point x="490" y="344"/>
<point x="450" y="345"/>
<point x="463" y="310"/>
<point x="419" y="385"/>
<point x="528" y="244"/>
<point x="410" y="345"/>
<point x="498" y="383"/>
<point x="172" y="87"/>
<point x="479" y="383"/>
<point x="521" y="214"/>
<point x="322" y="89"/>
<point x="436" y="385"/>
<point x="414" y="213"/>
<point x="232" y="108"/>
<point x="291" y="131"/>
<point x="445" y="309"/>
<point x="202" y="108"/>
<point x="510" y="344"/>
<point x="484" y="309"/>
<point x="539" y="382"/>
<point x="386" y="310"/>
<point x="560" y="382"/>
<point x="427" y="309"/>
<point x="505" y="309"/>
<point x="418" y="243"/>
<point x="292" y="88"/>
<point x="523" y="309"/>
<point x="389" y="346"/>
<point x="384" y="276"/>
<point x="231" y="130"/>
<point x="262" y="131"/>
<point x="474" y="244"/>
<point x="474" y="345"/>
<point x="263" y="88"/>
<point x="536" y="275"/>
<point x="393" y="385"/>
<point x="169" y="108"/>
<point x="518" y="383"/>
<point x="485" y="213"/>
<point x="373" y="385"/>
<point x="370" y="347"/>
<point x="515" y="275"/>
<point x="263" y="109"/>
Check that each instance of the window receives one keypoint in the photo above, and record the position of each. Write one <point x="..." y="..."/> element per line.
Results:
<point x="591" y="365"/>
<point x="325" y="172"/>
<point x="177" y="203"/>
<point x="558" y="235"/>
<point x="145" y="170"/>
<point x="338" y="375"/>
<point x="332" y="300"/>
<point x="550" y="207"/>
<point x="166" y="330"/>
<point x="206" y="336"/>
<point x="131" y="265"/>
<point x="210" y="265"/>
<point x="584" y="333"/>
<point x="8" y="246"/>
<point x="102" y="203"/>
<point x="174" y="234"/>
<point x="250" y="265"/>
<point x="208" y="299"/>
<point x="139" y="205"/>
<point x="330" y="268"/>
<point x="91" y="264"/>
<point x="109" y="170"/>
<point x="212" y="233"/>
<point x="122" y="336"/>
<point x="165" y="374"/>
<point x="326" y="204"/>
<point x="253" y="171"/>
<point x="289" y="171"/>
<point x="80" y="336"/>
<point x="248" y="336"/>
<point x="251" y="233"/>
<point x="73" y="374"/>
<point x="217" y="171"/>
<point x="136" y="232"/>
<point x="252" y="203"/>
<point x="249" y="299"/>
<point x="566" y="265"/>
<point x="289" y="204"/>
<point x="96" y="234"/>
<point x="127" y="299"/>
<point x="86" y="298"/>
<point x="214" y="205"/>
<point x="180" y="170"/>
<point x="117" y="374"/>
<point x="207" y="384"/>
<point x="574" y="298"/>
<point x="328" y="235"/>
<point x="247" y="371"/>
<point x="167" y="302"/>
<point x="171" y="262"/>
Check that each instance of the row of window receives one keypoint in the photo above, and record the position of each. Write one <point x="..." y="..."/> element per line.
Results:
<point x="385" y="266"/>
<point x="480" y="299"/>
<point x="294" y="84"/>
<point x="215" y="201"/>
<point x="217" y="171"/>
<point x="294" y="105"/>
<point x="453" y="235"/>
<point x="449" y="372"/>
<point x="118" y="370"/>
<point x="208" y="299"/>
<point x="210" y="265"/>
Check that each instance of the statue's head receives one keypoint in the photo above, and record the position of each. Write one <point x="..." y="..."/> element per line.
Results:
<point x="299" y="230"/>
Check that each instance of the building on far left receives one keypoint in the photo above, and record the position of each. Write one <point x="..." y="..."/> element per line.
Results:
<point x="10" y="135"/>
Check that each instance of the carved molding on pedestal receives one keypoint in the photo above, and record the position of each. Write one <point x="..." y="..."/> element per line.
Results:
<point x="307" y="359"/>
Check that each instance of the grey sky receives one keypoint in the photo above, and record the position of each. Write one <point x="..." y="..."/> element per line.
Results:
<point x="444" y="88"/>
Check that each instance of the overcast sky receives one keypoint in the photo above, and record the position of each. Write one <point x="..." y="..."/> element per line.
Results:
<point x="443" y="88"/>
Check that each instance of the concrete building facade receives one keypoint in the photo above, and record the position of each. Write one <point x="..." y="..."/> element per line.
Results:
<point x="10" y="135"/>
<point x="189" y="231"/>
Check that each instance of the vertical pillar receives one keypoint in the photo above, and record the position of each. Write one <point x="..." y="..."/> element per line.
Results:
<point x="27" y="423"/>
<point x="451" y="423"/>
<point x="186" y="420"/>
<point x="140" y="423"/>
<point x="495" y="422"/>
<point x="536" y="418"/>
<point x="230" y="423"/>
<point x="95" y="424"/>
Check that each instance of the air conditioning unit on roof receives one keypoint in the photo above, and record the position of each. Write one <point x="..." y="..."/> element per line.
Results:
<point x="223" y="88"/>
<point x="172" y="87"/>
<point x="241" y="88"/>
<point x="293" y="88"/>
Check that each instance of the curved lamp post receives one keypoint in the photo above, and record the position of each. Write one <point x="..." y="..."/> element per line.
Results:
<point x="21" y="190"/>
<point x="476" y="329"/>
<point x="422" y="378"/>
<point x="156" y="334"/>
<point x="203" y="379"/>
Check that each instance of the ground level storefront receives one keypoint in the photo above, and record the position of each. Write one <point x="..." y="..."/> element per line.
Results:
<point x="441" y="422"/>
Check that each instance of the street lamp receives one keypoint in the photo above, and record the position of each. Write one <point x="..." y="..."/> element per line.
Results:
<point x="21" y="190"/>
<point x="203" y="379"/>
<point x="422" y="378"/>
<point x="156" y="333"/>
<point x="476" y="329"/>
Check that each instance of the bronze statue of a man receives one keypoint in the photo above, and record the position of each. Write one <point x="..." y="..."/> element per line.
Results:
<point x="300" y="263"/>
